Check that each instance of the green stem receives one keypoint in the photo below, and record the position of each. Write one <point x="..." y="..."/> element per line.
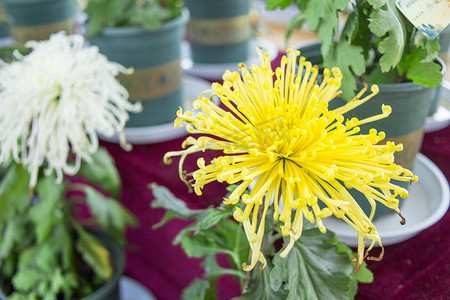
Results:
<point x="211" y="293"/>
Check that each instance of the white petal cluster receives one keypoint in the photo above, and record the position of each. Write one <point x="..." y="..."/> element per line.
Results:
<point x="55" y="100"/>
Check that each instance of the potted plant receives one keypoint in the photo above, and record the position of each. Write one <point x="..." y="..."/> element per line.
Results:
<point x="38" y="19"/>
<point x="377" y="45"/>
<point x="283" y="152"/>
<point x="144" y="35"/>
<point x="62" y="226"/>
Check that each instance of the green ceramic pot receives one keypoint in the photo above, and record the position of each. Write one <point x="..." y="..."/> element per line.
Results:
<point x="4" y="28"/>
<point x="110" y="290"/>
<point x="38" y="19"/>
<point x="219" y="30"/>
<point x="155" y="57"/>
<point x="410" y="105"/>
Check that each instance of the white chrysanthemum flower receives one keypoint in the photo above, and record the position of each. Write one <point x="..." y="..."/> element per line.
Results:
<point x="55" y="100"/>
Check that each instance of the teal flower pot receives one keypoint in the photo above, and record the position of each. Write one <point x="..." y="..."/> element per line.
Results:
<point x="38" y="19"/>
<point x="155" y="58"/>
<point x="410" y="104"/>
<point x="4" y="28"/>
<point x="219" y="30"/>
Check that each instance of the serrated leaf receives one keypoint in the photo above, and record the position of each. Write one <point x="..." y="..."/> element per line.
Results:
<point x="116" y="9"/>
<point x="196" y="290"/>
<point x="110" y="214"/>
<point x="26" y="279"/>
<point x="273" y="4"/>
<point x="432" y="47"/>
<point x="21" y="296"/>
<point x="94" y="253"/>
<point x="212" y="216"/>
<point x="420" y="71"/>
<point x="102" y="172"/>
<point x="165" y="199"/>
<point x="262" y="290"/>
<point x="387" y="24"/>
<point x="313" y="269"/>
<point x="350" y="60"/>
<point x="45" y="258"/>
<point x="377" y="4"/>
<point x="45" y="213"/>
<point x="323" y="19"/>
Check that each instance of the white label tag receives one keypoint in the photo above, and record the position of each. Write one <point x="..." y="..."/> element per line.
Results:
<point x="429" y="16"/>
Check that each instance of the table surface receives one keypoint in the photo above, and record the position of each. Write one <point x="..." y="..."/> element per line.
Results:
<point x="418" y="268"/>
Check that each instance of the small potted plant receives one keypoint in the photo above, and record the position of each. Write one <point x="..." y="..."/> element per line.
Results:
<point x="288" y="159"/>
<point x="61" y="224"/>
<point x="38" y="19"/>
<point x="376" y="44"/>
<point x="144" y="35"/>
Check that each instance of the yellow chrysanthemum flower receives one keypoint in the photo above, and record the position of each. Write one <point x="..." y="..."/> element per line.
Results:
<point x="280" y="136"/>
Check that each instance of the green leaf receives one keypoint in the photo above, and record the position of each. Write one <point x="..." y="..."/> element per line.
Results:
<point x="196" y="290"/>
<point x="21" y="296"/>
<point x="313" y="269"/>
<point x="62" y="242"/>
<point x="46" y="214"/>
<point x="322" y="18"/>
<point x="13" y="234"/>
<point x="388" y="25"/>
<point x="212" y="216"/>
<point x="273" y="4"/>
<point x="102" y="171"/>
<point x="378" y="77"/>
<point x="364" y="275"/>
<point x="350" y="60"/>
<point x="419" y="70"/>
<point x="295" y="23"/>
<point x="110" y="214"/>
<point x="432" y="47"/>
<point x="94" y="253"/>
<point x="25" y="280"/>
<point x="377" y="4"/>
<point x="214" y="270"/>
<point x="165" y="199"/>
<point x="263" y="290"/>
<point x="201" y="245"/>
<point x="14" y="192"/>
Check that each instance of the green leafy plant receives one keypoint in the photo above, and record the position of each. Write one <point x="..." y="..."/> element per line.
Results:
<point x="59" y="209"/>
<point x="149" y="14"/>
<point x="319" y="266"/>
<point x="377" y="43"/>
<point x="46" y="251"/>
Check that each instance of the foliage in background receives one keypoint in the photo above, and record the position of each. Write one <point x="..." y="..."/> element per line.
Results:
<point x="149" y="14"/>
<point x="377" y="43"/>
<point x="319" y="266"/>
<point x="45" y="251"/>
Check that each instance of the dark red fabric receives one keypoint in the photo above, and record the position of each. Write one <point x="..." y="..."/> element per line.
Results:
<point x="415" y="269"/>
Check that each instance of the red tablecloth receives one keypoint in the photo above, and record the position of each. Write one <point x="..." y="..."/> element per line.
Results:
<point x="418" y="268"/>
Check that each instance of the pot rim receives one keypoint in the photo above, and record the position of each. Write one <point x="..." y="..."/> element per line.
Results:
<point x="27" y="2"/>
